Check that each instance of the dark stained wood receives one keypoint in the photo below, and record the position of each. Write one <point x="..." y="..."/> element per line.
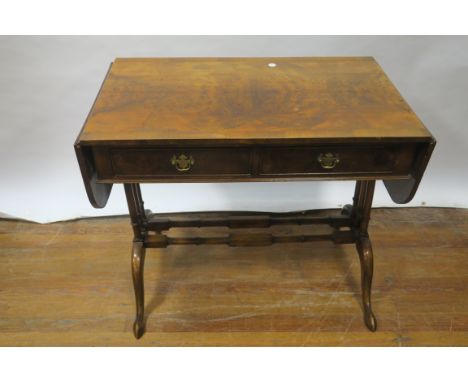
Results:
<point x="98" y="193"/>
<point x="363" y="204"/>
<point x="349" y="227"/>
<point x="244" y="119"/>
<point x="139" y="225"/>
<point x="246" y="219"/>
<point x="351" y="160"/>
<point x="248" y="240"/>
<point x="138" y="262"/>
<point x="402" y="191"/>
<point x="366" y="258"/>
<point x="137" y="211"/>
<point x="154" y="163"/>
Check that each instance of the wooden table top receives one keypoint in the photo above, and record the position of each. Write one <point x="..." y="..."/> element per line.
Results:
<point x="249" y="99"/>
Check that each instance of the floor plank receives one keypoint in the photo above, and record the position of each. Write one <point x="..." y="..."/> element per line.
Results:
<point x="69" y="283"/>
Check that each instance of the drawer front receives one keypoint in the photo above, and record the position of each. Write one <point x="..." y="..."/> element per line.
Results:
<point x="337" y="160"/>
<point x="141" y="163"/>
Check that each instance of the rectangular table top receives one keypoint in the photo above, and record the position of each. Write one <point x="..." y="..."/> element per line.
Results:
<point x="249" y="99"/>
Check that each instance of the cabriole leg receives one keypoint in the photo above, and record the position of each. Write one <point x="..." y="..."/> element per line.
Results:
<point x="138" y="261"/>
<point x="140" y="225"/>
<point x="366" y="257"/>
<point x="361" y="209"/>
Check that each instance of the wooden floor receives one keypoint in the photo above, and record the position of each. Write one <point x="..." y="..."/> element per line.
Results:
<point x="70" y="284"/>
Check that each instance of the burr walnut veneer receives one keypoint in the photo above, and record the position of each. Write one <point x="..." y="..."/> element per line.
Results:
<point x="251" y="119"/>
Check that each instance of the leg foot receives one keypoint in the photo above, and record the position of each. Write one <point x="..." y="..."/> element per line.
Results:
<point x="138" y="329"/>
<point x="366" y="258"/>
<point x="370" y="321"/>
<point x="138" y="260"/>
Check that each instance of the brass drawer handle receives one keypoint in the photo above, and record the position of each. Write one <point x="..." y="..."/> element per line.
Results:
<point x="328" y="160"/>
<point x="182" y="162"/>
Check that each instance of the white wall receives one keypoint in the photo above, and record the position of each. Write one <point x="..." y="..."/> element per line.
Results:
<point x="47" y="86"/>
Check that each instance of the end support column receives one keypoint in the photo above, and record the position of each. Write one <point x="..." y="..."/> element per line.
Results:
<point x="140" y="230"/>
<point x="360" y="211"/>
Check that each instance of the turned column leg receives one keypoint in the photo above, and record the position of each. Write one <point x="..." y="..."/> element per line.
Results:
<point x="361" y="210"/>
<point x="139" y="225"/>
<point x="351" y="210"/>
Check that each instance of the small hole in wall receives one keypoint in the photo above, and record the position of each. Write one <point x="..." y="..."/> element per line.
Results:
<point x="272" y="65"/>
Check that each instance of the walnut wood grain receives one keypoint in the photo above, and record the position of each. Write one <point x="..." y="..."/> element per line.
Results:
<point x="183" y="104"/>
<point x="251" y="119"/>
<point x="166" y="99"/>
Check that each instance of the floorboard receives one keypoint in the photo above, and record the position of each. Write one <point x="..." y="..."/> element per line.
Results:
<point x="69" y="284"/>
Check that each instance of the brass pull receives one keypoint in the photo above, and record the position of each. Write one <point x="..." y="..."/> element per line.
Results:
<point x="328" y="160"/>
<point x="182" y="162"/>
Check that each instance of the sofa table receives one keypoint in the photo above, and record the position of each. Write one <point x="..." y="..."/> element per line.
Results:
<point x="183" y="120"/>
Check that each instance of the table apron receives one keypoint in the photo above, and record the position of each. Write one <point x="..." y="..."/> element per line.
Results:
<point x="254" y="164"/>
